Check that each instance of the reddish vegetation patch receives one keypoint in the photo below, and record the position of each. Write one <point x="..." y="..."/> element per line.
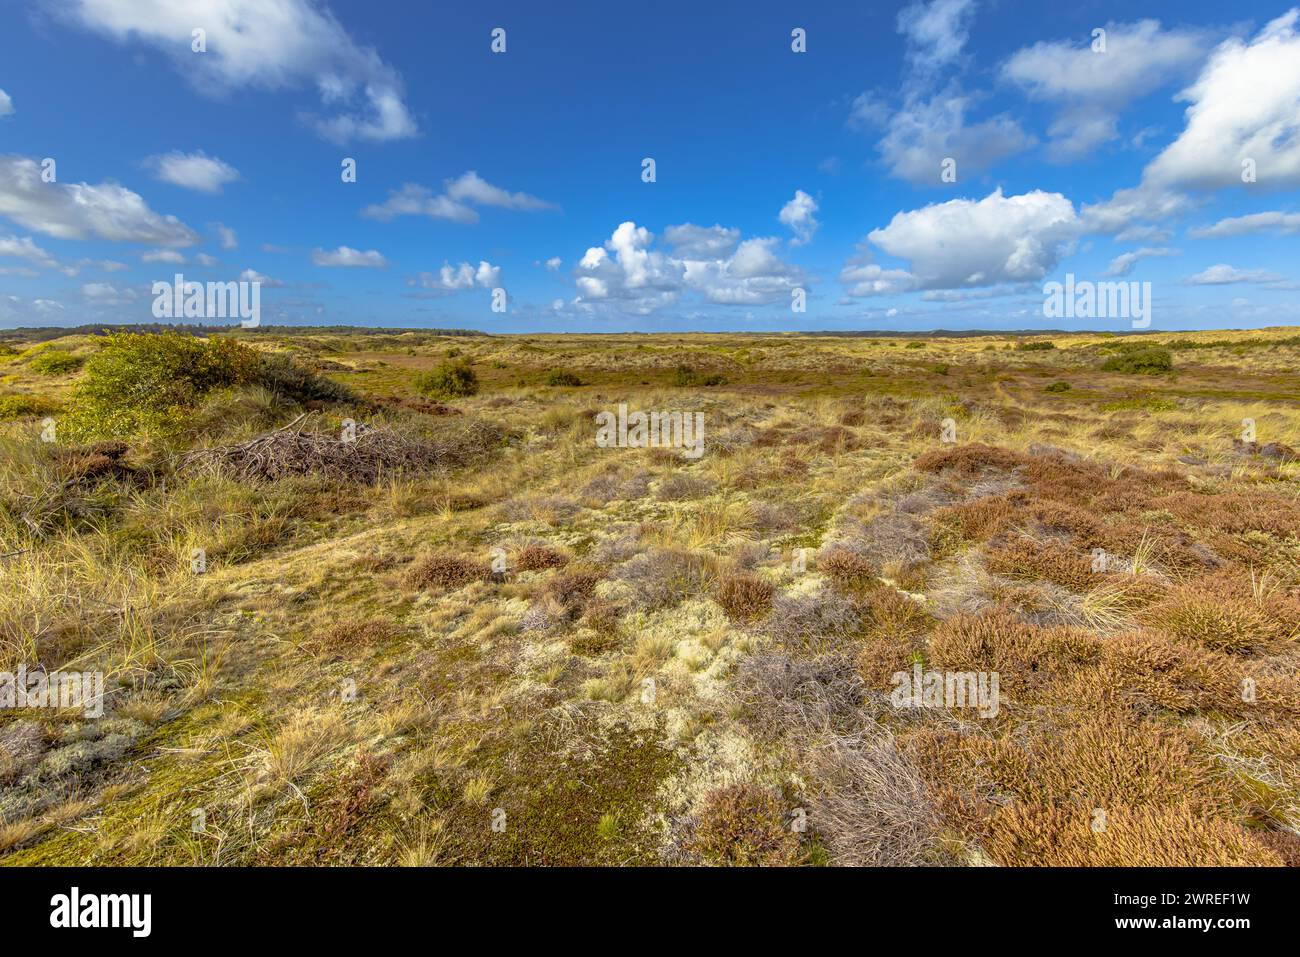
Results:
<point x="744" y="825"/>
<point x="354" y="633"/>
<point x="535" y="557"/>
<point x="744" y="597"/>
<point x="446" y="571"/>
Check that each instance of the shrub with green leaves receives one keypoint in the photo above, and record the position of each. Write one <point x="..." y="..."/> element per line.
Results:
<point x="1140" y="362"/>
<point x="23" y="407"/>
<point x="54" y="362"/>
<point x="451" y="380"/>
<point x="562" y="378"/>
<point x="148" y="383"/>
<point x="1058" y="387"/>
<point x="1039" y="346"/>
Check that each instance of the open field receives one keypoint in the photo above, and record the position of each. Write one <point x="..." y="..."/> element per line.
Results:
<point x="471" y="635"/>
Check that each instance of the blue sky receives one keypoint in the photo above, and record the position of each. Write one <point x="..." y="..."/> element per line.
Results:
<point x="775" y="170"/>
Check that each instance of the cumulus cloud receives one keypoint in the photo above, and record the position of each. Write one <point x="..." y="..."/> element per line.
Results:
<point x="197" y="171"/>
<point x="455" y="203"/>
<point x="106" y="294"/>
<point x="554" y="263"/>
<point x="348" y="257"/>
<point x="6" y="104"/>
<point x="1273" y="221"/>
<point x="464" y="276"/>
<point x="1123" y="264"/>
<point x="1223" y="274"/>
<point x="971" y="243"/>
<point x="701" y="242"/>
<point x="82" y="211"/>
<point x="628" y="271"/>
<point x="269" y="44"/>
<point x="1091" y="87"/>
<point x="1134" y="207"/>
<point x="799" y="215"/>
<point x="1244" y="105"/>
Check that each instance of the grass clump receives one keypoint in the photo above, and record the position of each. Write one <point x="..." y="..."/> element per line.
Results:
<point x="451" y="380"/>
<point x="1058" y="387"/>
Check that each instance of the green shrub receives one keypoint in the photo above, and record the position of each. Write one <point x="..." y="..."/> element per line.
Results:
<point x="1058" y="387"/>
<point x="941" y="369"/>
<point x="148" y="383"/>
<point x="1040" y="346"/>
<point x="684" y="376"/>
<point x="23" y="406"/>
<point x="561" y="378"/>
<point x="1140" y="362"/>
<point x="450" y="380"/>
<point x="915" y="345"/>
<point x="287" y="380"/>
<point x="54" y="362"/>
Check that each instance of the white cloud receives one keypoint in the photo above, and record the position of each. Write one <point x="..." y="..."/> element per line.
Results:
<point x="862" y="278"/>
<point x="6" y="104"/>
<point x="469" y="187"/>
<point x="196" y="171"/>
<point x="627" y="271"/>
<point x="936" y="31"/>
<point x="106" y="294"/>
<point x="701" y="242"/>
<point x="272" y="44"/>
<point x="23" y="248"/>
<point x="1091" y="87"/>
<point x="463" y="276"/>
<point x="1123" y="264"/>
<point x="226" y="236"/>
<point x="1223" y="274"/>
<point x="162" y="256"/>
<point x="83" y="211"/>
<point x="1273" y="221"/>
<point x="1143" y="234"/>
<point x="348" y="257"/>
<point x="454" y="203"/>
<point x="965" y="243"/>
<point x="931" y="124"/>
<point x="1131" y="207"/>
<point x="1244" y="105"/>
<point x="554" y="263"/>
<point x="252" y="275"/>
<point x="203" y="259"/>
<point x="924" y="132"/>
<point x="800" y="216"/>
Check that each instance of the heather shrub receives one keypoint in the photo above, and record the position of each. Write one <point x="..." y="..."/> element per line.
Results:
<point x="744" y="825"/>
<point x="451" y="380"/>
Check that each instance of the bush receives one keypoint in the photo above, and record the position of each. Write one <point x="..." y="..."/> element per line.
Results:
<point x="450" y="380"/>
<point x="23" y="406"/>
<point x="684" y="376"/>
<point x="148" y="383"/>
<point x="559" y="378"/>
<point x="941" y="369"/>
<point x="1058" y="387"/>
<point x="1038" y="346"/>
<point x="285" y="379"/>
<point x="54" y="362"/>
<point x="1140" y="362"/>
<point x="915" y="345"/>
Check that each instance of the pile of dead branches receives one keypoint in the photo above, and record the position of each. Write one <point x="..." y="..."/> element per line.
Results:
<point x="361" y="456"/>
